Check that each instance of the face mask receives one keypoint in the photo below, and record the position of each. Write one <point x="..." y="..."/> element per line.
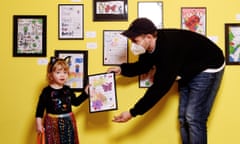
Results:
<point x="137" y="49"/>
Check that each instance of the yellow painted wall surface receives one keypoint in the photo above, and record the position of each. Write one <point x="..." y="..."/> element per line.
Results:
<point x="23" y="78"/>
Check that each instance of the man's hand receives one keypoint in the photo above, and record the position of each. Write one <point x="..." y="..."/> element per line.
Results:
<point x="116" y="70"/>
<point x="123" y="117"/>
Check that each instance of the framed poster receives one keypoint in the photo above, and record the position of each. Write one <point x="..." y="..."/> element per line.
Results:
<point x="232" y="43"/>
<point x="77" y="79"/>
<point x="102" y="92"/>
<point x="29" y="35"/>
<point x="115" y="47"/>
<point x="70" y="25"/>
<point x="152" y="10"/>
<point x="110" y="10"/>
<point x="146" y="80"/>
<point x="194" y="19"/>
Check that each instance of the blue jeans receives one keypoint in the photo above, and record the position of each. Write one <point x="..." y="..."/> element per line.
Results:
<point x="196" y="100"/>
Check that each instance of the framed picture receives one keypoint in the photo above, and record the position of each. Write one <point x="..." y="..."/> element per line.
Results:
<point x="115" y="47"/>
<point x="70" y="25"/>
<point x="110" y="10"/>
<point x="194" y="19"/>
<point x="146" y="80"/>
<point x="102" y="92"/>
<point x="152" y="10"/>
<point x="29" y="35"/>
<point x="232" y="43"/>
<point x="77" y="79"/>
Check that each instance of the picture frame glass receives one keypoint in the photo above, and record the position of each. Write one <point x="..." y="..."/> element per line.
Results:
<point x="115" y="47"/>
<point x="102" y="92"/>
<point x="146" y="80"/>
<point x="110" y="10"/>
<point x="29" y="35"/>
<point x="194" y="19"/>
<point x="153" y="11"/>
<point x="77" y="79"/>
<point x="71" y="21"/>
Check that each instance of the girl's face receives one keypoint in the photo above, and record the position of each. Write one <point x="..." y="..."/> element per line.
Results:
<point x="60" y="75"/>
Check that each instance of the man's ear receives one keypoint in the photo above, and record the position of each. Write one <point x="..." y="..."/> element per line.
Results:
<point x="149" y="35"/>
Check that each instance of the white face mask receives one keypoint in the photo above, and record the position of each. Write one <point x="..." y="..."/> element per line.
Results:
<point x="137" y="49"/>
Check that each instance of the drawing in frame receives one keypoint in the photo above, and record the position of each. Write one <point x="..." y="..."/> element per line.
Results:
<point x="115" y="47"/>
<point x="110" y="10"/>
<point x="102" y="92"/>
<point x="29" y="35"/>
<point x="194" y="19"/>
<point x="232" y="43"/>
<point x="77" y="79"/>
<point x="146" y="80"/>
<point x="152" y="10"/>
<point x="71" y="22"/>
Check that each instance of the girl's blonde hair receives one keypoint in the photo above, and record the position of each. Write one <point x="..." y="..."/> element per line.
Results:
<point x="53" y="64"/>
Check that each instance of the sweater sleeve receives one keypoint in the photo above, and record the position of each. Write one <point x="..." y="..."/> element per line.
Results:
<point x="143" y="65"/>
<point x="80" y="99"/>
<point x="41" y="104"/>
<point x="167" y="68"/>
<point x="154" y="93"/>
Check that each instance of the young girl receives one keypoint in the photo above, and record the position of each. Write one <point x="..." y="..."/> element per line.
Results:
<point x="57" y="98"/>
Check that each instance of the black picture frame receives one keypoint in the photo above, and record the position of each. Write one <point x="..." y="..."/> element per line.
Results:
<point x="232" y="44"/>
<point x="70" y="21"/>
<point x="77" y="79"/>
<point x="115" y="47"/>
<point x="102" y="92"/>
<point x="29" y="35"/>
<point x="110" y="10"/>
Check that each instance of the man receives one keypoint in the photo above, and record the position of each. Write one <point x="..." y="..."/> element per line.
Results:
<point x="195" y="61"/>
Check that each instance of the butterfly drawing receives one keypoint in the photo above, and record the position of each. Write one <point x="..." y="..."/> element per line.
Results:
<point x="107" y="86"/>
<point x="109" y="8"/>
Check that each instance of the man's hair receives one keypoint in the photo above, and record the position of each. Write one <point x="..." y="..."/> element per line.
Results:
<point x="140" y="26"/>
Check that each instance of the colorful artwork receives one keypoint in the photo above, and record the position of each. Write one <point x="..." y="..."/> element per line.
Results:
<point x="233" y="43"/>
<point x="194" y="19"/>
<point x="146" y="80"/>
<point x="78" y="68"/>
<point x="110" y="7"/>
<point x="115" y="48"/>
<point x="102" y="92"/>
<point x="110" y="10"/>
<point x="29" y="35"/>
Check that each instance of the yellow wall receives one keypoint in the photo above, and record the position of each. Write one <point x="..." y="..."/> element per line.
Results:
<point x="23" y="78"/>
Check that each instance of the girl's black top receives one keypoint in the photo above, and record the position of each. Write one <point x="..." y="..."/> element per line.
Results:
<point x="58" y="101"/>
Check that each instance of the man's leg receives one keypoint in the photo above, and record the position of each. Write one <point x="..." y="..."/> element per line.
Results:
<point x="196" y="100"/>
